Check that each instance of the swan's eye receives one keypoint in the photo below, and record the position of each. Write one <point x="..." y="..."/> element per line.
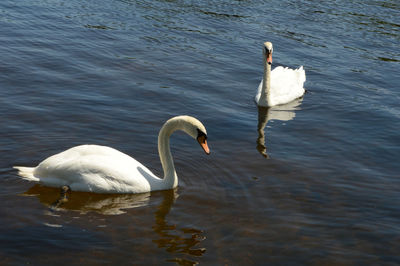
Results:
<point x="201" y="134"/>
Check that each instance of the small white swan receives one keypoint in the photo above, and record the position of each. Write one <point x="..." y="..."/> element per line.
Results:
<point x="281" y="85"/>
<point x="102" y="169"/>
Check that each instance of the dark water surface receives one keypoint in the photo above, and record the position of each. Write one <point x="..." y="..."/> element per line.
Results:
<point x="315" y="182"/>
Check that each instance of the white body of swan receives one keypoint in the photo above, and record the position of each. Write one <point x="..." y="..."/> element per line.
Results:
<point x="102" y="169"/>
<point x="281" y="85"/>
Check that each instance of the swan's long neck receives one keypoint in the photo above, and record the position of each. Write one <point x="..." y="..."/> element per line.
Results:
<point x="170" y="178"/>
<point x="266" y="85"/>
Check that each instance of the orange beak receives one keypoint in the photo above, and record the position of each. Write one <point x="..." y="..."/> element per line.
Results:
<point x="269" y="58"/>
<point x="203" y="143"/>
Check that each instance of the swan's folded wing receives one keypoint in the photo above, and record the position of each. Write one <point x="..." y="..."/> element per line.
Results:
<point x="286" y="84"/>
<point x="96" y="169"/>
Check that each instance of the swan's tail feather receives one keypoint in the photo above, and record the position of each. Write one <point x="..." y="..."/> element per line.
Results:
<point x="26" y="173"/>
<point x="301" y="74"/>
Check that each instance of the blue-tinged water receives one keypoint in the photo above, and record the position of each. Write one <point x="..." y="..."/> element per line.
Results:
<point x="315" y="182"/>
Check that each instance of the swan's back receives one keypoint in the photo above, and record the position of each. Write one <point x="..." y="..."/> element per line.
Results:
<point x="286" y="84"/>
<point x="95" y="168"/>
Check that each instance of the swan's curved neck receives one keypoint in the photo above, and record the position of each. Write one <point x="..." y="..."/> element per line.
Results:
<point x="170" y="178"/>
<point x="266" y="85"/>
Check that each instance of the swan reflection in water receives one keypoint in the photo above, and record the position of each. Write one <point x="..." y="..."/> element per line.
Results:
<point x="176" y="240"/>
<point x="283" y="112"/>
<point x="84" y="202"/>
<point x="183" y="241"/>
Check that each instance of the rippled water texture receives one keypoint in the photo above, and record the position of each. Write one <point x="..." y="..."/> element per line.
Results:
<point x="315" y="182"/>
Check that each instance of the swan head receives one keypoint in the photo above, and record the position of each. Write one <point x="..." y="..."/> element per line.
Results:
<point x="267" y="51"/>
<point x="192" y="127"/>
<point x="197" y="131"/>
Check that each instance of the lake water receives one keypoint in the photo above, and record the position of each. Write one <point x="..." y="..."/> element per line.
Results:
<point x="315" y="182"/>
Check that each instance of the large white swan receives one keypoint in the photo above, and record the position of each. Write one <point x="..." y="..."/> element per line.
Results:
<point x="102" y="169"/>
<point x="281" y="85"/>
